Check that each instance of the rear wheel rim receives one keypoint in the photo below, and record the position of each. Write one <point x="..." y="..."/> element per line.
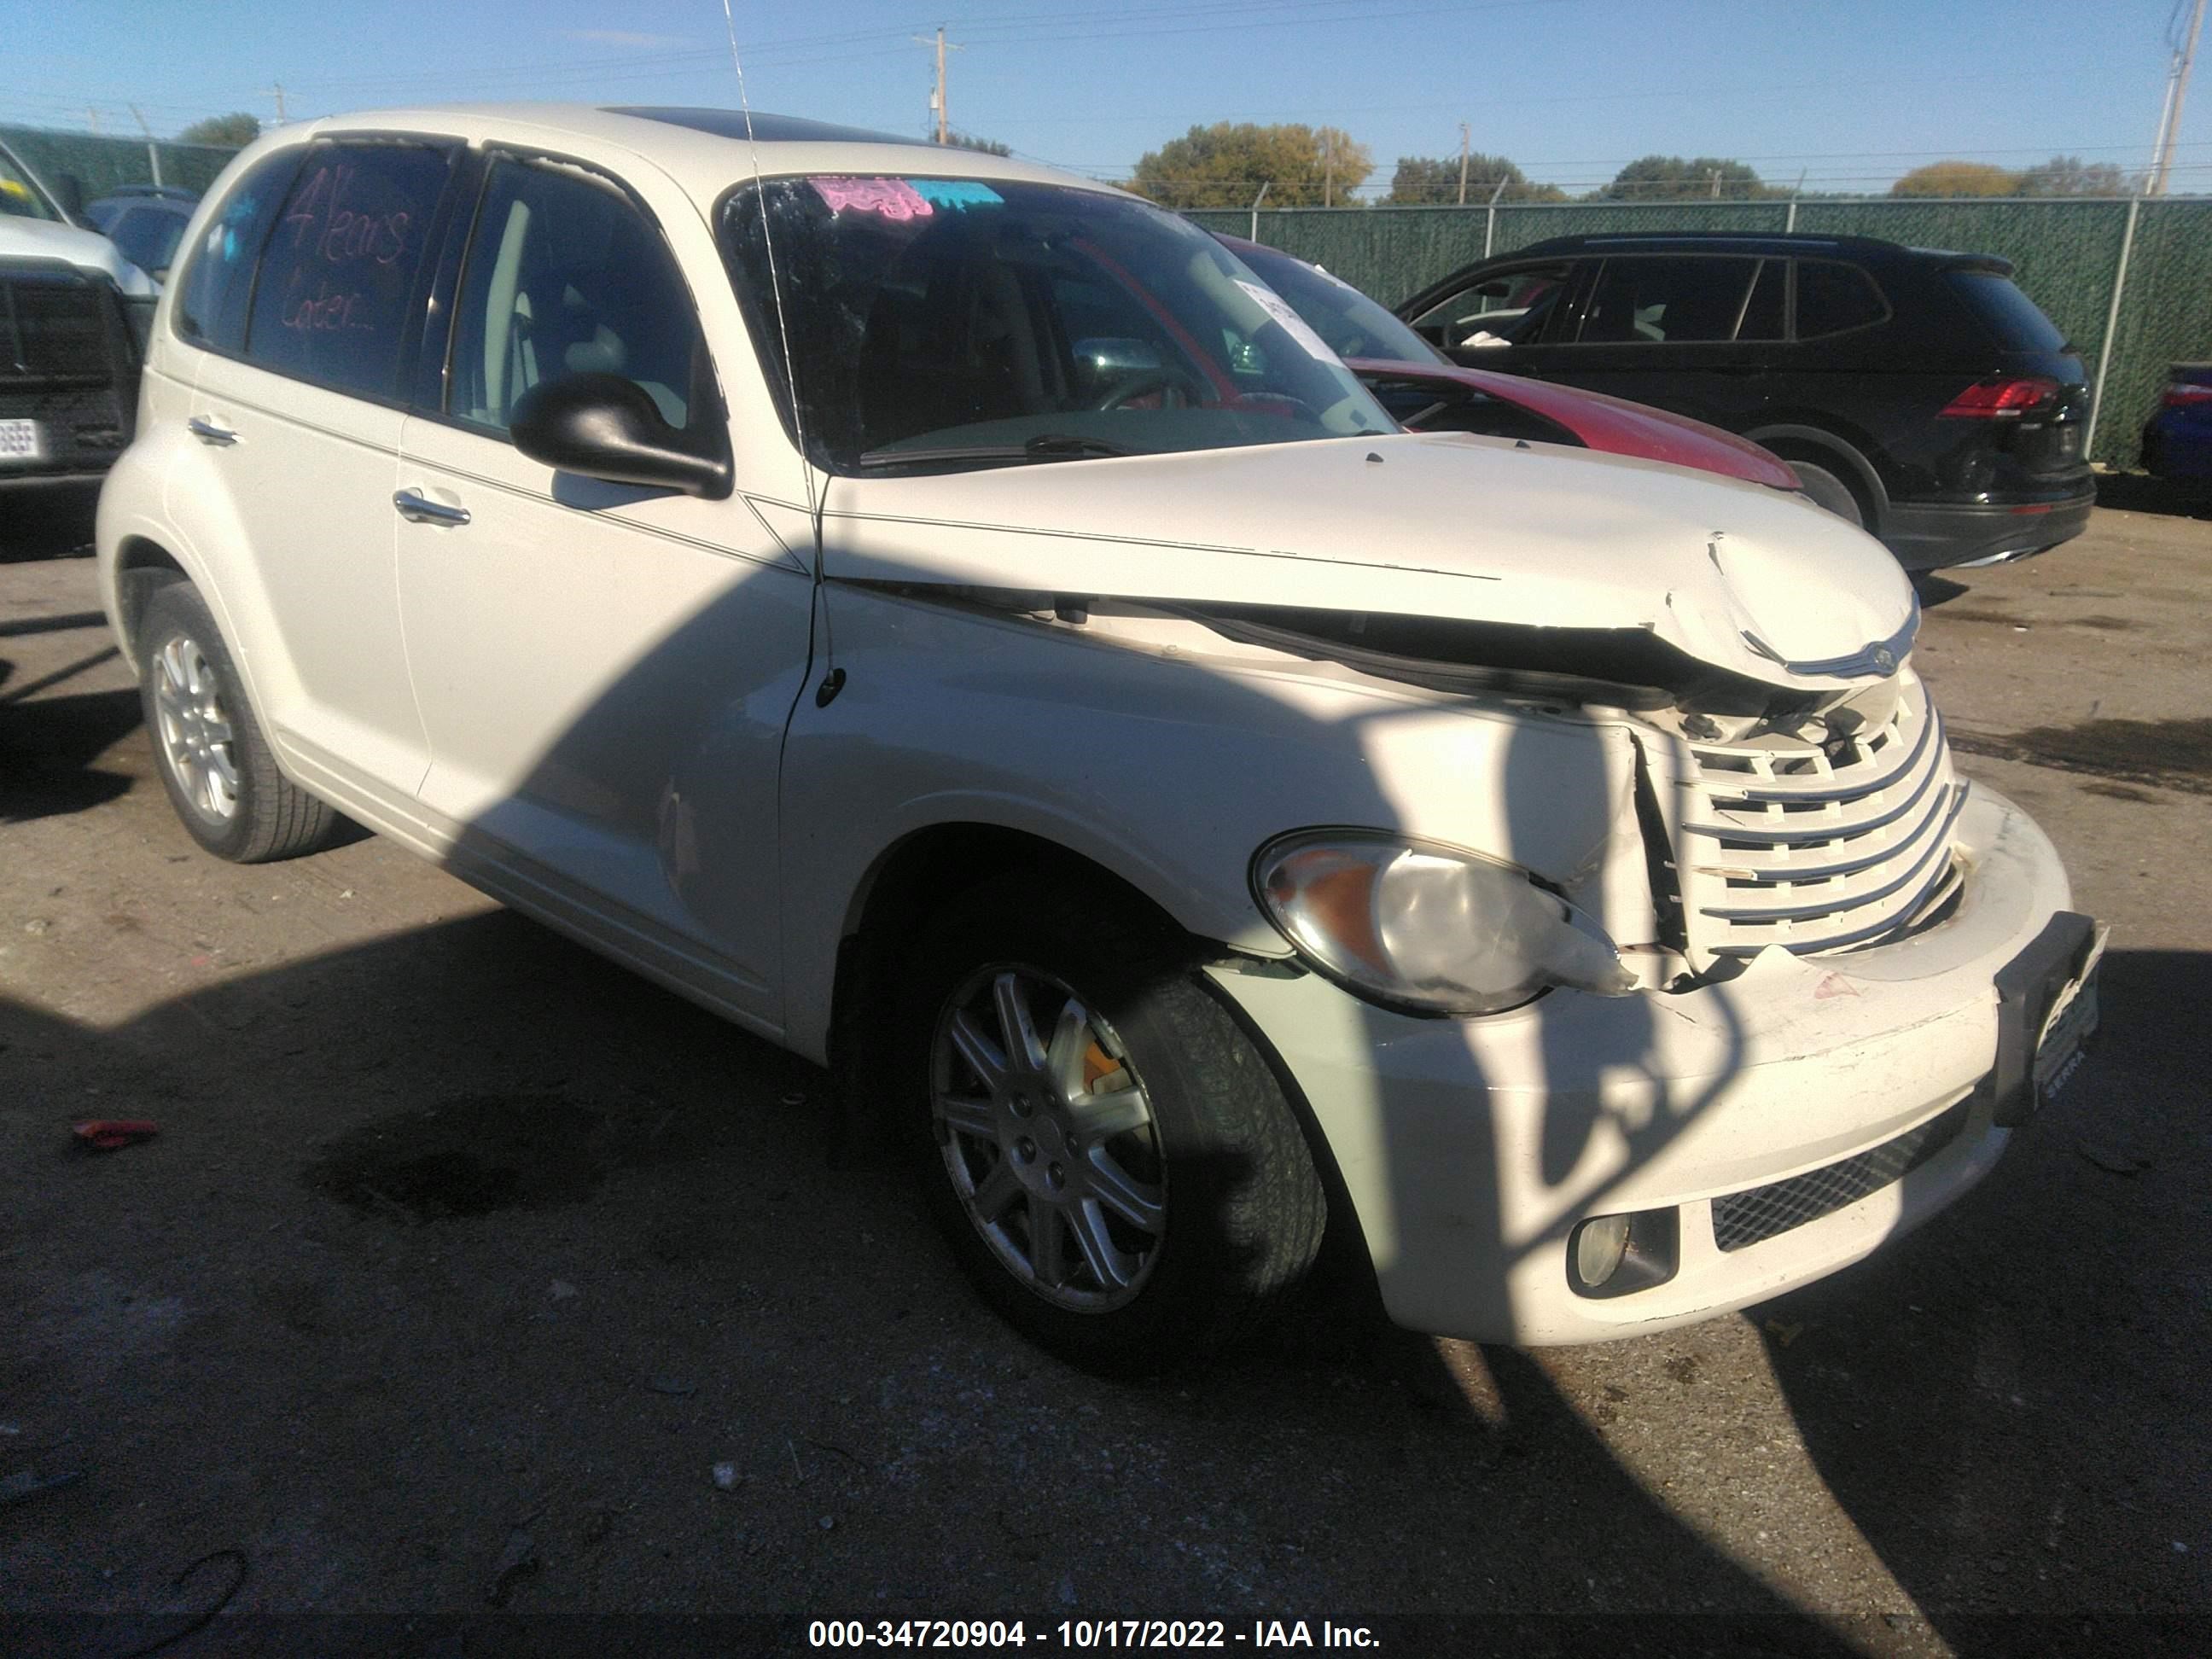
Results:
<point x="1048" y="1136"/>
<point x="192" y="721"/>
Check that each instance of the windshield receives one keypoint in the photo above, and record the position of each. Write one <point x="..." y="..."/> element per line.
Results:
<point x="948" y="322"/>
<point x="1352" y="324"/>
<point x="19" y="196"/>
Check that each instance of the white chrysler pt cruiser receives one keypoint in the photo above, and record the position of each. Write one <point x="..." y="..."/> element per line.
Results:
<point x="954" y="620"/>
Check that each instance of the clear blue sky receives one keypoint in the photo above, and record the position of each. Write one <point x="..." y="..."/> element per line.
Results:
<point x="1854" y="92"/>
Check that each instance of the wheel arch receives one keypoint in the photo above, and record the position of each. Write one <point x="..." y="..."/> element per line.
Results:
<point x="1795" y="442"/>
<point x="142" y="565"/>
<point x="916" y="874"/>
<point x="923" y="869"/>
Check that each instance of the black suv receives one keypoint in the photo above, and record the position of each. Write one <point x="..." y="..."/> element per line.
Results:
<point x="1918" y="392"/>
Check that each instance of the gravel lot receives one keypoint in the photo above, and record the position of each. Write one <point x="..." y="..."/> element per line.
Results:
<point x="462" y="1259"/>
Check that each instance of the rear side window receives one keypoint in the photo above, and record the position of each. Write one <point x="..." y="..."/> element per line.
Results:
<point x="1832" y="296"/>
<point x="2015" y="320"/>
<point x="1672" y="300"/>
<point x="331" y="302"/>
<point x="211" y="300"/>
<point x="566" y="276"/>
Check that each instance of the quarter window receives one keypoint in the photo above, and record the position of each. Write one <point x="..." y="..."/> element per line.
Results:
<point x="337" y="286"/>
<point x="1832" y="296"/>
<point x="219" y="279"/>
<point x="566" y="276"/>
<point x="1672" y="300"/>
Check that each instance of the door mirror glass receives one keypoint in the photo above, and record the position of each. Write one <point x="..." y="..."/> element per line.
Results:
<point x="605" y="426"/>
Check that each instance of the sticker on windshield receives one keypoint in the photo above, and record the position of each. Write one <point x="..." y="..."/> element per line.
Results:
<point x="890" y="198"/>
<point x="1293" y="324"/>
<point x="956" y="193"/>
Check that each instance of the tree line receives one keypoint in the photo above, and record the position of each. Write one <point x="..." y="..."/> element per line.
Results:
<point x="1225" y="165"/>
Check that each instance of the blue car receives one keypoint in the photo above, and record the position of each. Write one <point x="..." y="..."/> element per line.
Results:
<point x="2177" y="443"/>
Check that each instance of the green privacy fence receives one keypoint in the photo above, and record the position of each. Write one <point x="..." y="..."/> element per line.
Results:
<point x="2072" y="258"/>
<point x="101" y="163"/>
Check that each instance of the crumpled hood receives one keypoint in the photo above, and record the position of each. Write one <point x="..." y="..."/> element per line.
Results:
<point x="1446" y="525"/>
<point x="87" y="250"/>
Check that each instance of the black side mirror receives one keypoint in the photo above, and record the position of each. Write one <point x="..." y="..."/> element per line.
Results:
<point x="69" y="192"/>
<point x="602" y="426"/>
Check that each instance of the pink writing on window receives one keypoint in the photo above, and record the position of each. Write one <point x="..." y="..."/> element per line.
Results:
<point x="894" y="198"/>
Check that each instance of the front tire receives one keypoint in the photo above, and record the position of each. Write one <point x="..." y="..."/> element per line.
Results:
<point x="1110" y="1157"/>
<point x="220" y="775"/>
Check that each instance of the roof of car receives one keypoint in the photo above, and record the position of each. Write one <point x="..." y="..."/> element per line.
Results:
<point x="1679" y="241"/>
<point x="154" y="193"/>
<point x="181" y="206"/>
<point x="705" y="149"/>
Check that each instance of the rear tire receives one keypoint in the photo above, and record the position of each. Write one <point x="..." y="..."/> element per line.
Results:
<point x="217" y="767"/>
<point x="1824" y="489"/>
<point x="1137" y="1192"/>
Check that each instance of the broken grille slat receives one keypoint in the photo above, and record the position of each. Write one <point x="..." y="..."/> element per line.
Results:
<point x="1842" y="784"/>
<point x="1861" y="849"/>
<point x="1827" y="828"/>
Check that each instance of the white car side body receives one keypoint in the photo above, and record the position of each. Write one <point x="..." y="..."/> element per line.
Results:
<point x="1026" y="648"/>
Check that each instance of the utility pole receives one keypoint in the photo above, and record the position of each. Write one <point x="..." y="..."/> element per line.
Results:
<point x="153" y="150"/>
<point x="937" y="98"/>
<point x="1715" y="174"/>
<point x="278" y="88"/>
<point x="1327" y="167"/>
<point x="92" y="114"/>
<point x="1463" y="164"/>
<point x="2176" y="90"/>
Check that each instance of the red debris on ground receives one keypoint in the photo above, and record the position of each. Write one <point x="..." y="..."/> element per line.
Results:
<point x="108" y="1135"/>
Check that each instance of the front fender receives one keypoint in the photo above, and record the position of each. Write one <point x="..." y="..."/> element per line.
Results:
<point x="1165" y="767"/>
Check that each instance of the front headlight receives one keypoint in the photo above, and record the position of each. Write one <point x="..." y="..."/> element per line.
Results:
<point x="1426" y="929"/>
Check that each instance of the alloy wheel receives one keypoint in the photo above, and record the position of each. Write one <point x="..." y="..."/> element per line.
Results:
<point x="1048" y="1137"/>
<point x="196" y="740"/>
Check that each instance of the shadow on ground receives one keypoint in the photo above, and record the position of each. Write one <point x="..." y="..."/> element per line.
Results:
<point x="2138" y="492"/>
<point x="465" y="1231"/>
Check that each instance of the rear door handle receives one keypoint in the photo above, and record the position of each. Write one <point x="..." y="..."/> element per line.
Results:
<point x="209" y="433"/>
<point x="420" y="509"/>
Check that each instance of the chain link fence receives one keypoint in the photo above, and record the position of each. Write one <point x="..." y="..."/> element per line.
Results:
<point x="100" y="163"/>
<point x="2072" y="258"/>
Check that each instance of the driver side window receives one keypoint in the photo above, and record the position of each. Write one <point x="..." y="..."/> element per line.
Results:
<point x="565" y="277"/>
<point x="1507" y="308"/>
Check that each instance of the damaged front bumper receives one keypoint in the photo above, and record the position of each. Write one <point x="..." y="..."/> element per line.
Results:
<point x="1471" y="1149"/>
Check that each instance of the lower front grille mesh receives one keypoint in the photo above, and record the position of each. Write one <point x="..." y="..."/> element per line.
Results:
<point x="1745" y="1218"/>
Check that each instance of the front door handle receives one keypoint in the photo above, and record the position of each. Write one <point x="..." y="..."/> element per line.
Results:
<point x="209" y="433"/>
<point x="420" y="509"/>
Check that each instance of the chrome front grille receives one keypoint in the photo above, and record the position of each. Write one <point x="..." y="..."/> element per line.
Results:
<point x="1783" y="841"/>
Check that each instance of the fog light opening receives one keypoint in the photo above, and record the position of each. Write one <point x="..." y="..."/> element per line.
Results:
<point x="1610" y="1255"/>
<point x="1599" y="1246"/>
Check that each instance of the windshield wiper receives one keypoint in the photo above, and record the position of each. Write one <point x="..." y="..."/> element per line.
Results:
<point x="1045" y="446"/>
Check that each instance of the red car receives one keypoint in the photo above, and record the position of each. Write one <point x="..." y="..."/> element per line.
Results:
<point x="1428" y="392"/>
